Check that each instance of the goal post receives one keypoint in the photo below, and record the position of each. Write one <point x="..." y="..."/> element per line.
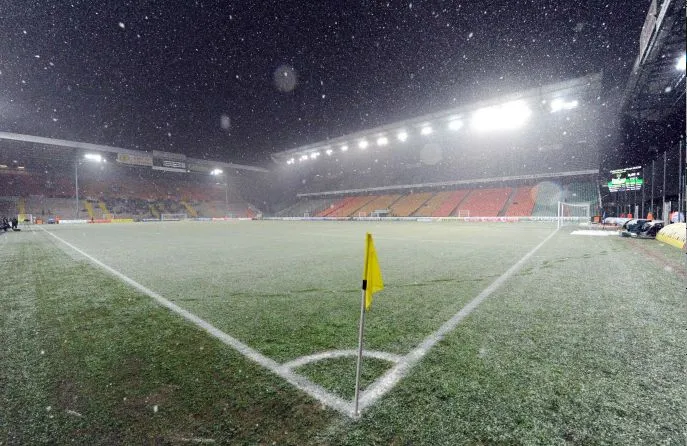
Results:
<point x="569" y="213"/>
<point x="463" y="213"/>
<point x="173" y="217"/>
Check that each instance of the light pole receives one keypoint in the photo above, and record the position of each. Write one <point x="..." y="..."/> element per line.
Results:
<point x="91" y="157"/>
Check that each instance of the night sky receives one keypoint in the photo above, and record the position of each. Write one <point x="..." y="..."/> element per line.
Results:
<point x="215" y="79"/>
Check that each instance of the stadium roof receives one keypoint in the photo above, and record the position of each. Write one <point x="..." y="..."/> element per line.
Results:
<point x="570" y="90"/>
<point x="656" y="88"/>
<point x="30" y="149"/>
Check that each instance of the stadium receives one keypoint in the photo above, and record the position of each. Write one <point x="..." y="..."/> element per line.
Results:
<point x="155" y="297"/>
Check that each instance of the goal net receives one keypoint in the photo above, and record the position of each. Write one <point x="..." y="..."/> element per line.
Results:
<point x="173" y="217"/>
<point x="570" y="213"/>
<point x="463" y="213"/>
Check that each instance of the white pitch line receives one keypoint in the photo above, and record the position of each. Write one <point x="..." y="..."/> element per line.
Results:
<point x="298" y="381"/>
<point x="392" y="377"/>
<point x="333" y="354"/>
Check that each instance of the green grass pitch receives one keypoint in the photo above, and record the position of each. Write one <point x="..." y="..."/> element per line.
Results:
<point x="585" y="344"/>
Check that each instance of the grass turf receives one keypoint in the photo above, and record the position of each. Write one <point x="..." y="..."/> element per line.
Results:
<point x="585" y="345"/>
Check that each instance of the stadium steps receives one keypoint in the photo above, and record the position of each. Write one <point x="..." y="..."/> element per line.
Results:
<point x="311" y="206"/>
<point x="190" y="210"/>
<point x="509" y="200"/>
<point x="408" y="204"/>
<point x="432" y="204"/>
<point x="522" y="203"/>
<point x="334" y="207"/>
<point x="451" y="203"/>
<point x="351" y="207"/>
<point x="378" y="203"/>
<point x="106" y="213"/>
<point x="485" y="202"/>
<point x="89" y="208"/>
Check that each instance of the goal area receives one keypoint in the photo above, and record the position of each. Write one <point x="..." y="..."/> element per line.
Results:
<point x="570" y="213"/>
<point x="173" y="217"/>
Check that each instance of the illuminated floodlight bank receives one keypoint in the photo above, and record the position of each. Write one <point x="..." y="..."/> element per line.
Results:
<point x="559" y="104"/>
<point x="681" y="63"/>
<point x="344" y="148"/>
<point x="303" y="158"/>
<point x="216" y="172"/>
<point x="402" y="136"/>
<point x="382" y="141"/>
<point x="426" y="130"/>
<point x="455" y="125"/>
<point x="363" y="144"/>
<point x="314" y="155"/>
<point x="95" y="157"/>
<point x="290" y="161"/>
<point x="507" y="116"/>
<point x="329" y="152"/>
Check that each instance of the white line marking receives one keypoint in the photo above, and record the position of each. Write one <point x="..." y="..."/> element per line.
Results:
<point x="333" y="354"/>
<point x="387" y="382"/>
<point x="294" y="379"/>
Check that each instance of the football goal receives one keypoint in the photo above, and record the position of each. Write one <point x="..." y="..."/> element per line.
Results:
<point x="173" y="217"/>
<point x="569" y="213"/>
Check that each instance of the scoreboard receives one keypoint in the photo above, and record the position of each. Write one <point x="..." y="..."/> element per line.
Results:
<point x="629" y="178"/>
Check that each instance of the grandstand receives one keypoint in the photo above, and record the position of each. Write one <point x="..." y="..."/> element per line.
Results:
<point x="465" y="162"/>
<point x="52" y="179"/>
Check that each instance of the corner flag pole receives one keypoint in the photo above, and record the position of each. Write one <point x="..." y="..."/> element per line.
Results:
<point x="360" y="345"/>
<point x="372" y="282"/>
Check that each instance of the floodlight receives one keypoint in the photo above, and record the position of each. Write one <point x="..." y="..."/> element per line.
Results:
<point x="290" y="161"/>
<point x="304" y="157"/>
<point x="216" y="172"/>
<point x="363" y="144"/>
<point x="506" y="116"/>
<point x="329" y="152"/>
<point x="382" y="141"/>
<point x="681" y="62"/>
<point x="455" y="125"/>
<point x="20" y="167"/>
<point x="344" y="148"/>
<point x="402" y="135"/>
<point x="559" y="104"/>
<point x="314" y="155"/>
<point x="426" y="130"/>
<point x="95" y="157"/>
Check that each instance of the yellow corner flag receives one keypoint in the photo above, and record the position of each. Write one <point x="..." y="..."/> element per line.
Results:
<point x="372" y="275"/>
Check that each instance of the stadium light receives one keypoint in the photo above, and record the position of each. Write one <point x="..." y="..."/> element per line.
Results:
<point x="681" y="63"/>
<point x="363" y="144"/>
<point x="216" y="172"/>
<point x="426" y="130"/>
<point x="559" y="104"/>
<point x="402" y="136"/>
<point x="314" y="155"/>
<point x="455" y="125"/>
<point x="506" y="116"/>
<point x="329" y="152"/>
<point x="344" y="148"/>
<point x="95" y="157"/>
<point x="290" y="161"/>
<point x="303" y="158"/>
<point x="382" y="141"/>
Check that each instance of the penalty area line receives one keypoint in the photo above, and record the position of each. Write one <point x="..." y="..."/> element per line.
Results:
<point x="394" y="375"/>
<point x="298" y="381"/>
